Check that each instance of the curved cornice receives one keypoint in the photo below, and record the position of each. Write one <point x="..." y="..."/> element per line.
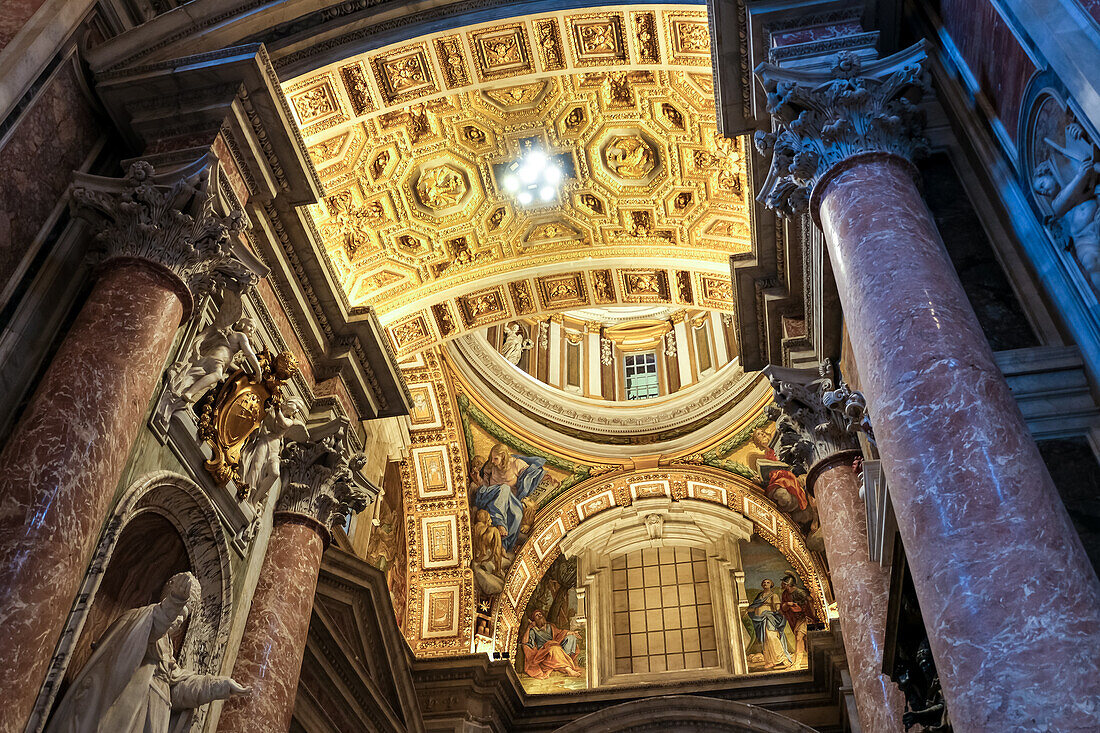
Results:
<point x="662" y="425"/>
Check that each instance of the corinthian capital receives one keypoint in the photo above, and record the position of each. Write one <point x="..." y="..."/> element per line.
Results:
<point x="322" y="478"/>
<point x="822" y="118"/>
<point x="171" y="224"/>
<point x="815" y="418"/>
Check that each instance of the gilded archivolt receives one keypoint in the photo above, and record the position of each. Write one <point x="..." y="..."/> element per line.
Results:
<point x="604" y="493"/>
<point x="409" y="140"/>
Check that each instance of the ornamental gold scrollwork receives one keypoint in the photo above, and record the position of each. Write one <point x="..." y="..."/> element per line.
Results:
<point x="231" y="414"/>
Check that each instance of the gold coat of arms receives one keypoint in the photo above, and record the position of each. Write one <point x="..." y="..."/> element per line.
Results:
<point x="232" y="412"/>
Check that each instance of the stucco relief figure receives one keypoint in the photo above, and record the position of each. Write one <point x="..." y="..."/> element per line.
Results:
<point x="515" y="343"/>
<point x="768" y="625"/>
<point x="211" y="358"/>
<point x="1071" y="186"/>
<point x="132" y="683"/>
<point x="630" y="156"/>
<point x="260" y="459"/>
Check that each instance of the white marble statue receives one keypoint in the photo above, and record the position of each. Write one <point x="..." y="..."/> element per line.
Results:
<point x="515" y="343"/>
<point x="1072" y="188"/>
<point x="132" y="683"/>
<point x="260" y="459"/>
<point x="211" y="359"/>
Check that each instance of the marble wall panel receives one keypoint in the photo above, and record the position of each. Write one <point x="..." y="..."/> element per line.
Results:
<point x="54" y="137"/>
<point x="993" y="53"/>
<point x="15" y="15"/>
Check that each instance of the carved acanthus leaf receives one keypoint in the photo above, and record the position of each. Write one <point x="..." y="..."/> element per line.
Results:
<point x="821" y="118"/>
<point x="173" y="225"/>
<point x="815" y="418"/>
<point x="322" y="478"/>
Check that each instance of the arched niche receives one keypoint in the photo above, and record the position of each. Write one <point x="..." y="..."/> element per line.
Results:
<point x="675" y="713"/>
<point x="163" y="524"/>
<point x="696" y="507"/>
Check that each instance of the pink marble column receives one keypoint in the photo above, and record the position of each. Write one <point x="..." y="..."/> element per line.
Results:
<point x="61" y="465"/>
<point x="861" y="588"/>
<point x="1011" y="604"/>
<point x="274" y="641"/>
<point x="321" y="483"/>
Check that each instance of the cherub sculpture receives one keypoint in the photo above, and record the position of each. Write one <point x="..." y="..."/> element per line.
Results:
<point x="260" y="459"/>
<point x="213" y="355"/>
<point x="1071" y="187"/>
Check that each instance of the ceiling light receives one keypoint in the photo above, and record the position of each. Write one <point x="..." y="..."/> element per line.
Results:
<point x="535" y="175"/>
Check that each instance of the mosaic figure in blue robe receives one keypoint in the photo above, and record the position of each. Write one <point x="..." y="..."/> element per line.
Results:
<point x="507" y="479"/>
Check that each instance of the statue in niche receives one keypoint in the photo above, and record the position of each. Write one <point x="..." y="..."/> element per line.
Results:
<point x="132" y="683"/>
<point x="1071" y="186"/>
<point x="515" y="343"/>
<point x="260" y="459"/>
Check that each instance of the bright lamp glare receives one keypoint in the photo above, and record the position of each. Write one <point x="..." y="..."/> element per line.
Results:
<point x="535" y="175"/>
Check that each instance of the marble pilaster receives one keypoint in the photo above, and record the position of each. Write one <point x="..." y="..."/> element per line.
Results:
<point x="62" y="462"/>
<point x="817" y="422"/>
<point x="322" y="484"/>
<point x="1010" y="602"/>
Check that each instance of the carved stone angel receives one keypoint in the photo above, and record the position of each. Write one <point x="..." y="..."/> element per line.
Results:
<point x="211" y="357"/>
<point x="1072" y="187"/>
<point x="132" y="683"/>
<point x="260" y="460"/>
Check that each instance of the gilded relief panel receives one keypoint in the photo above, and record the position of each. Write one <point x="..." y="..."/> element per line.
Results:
<point x="501" y="51"/>
<point x="597" y="39"/>
<point x="404" y="73"/>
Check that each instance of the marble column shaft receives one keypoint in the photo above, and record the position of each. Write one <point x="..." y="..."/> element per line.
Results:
<point x="270" y="656"/>
<point x="862" y="589"/>
<point x="61" y="465"/>
<point x="1010" y="602"/>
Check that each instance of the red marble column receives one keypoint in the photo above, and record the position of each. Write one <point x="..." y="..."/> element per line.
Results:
<point x="60" y="467"/>
<point x="861" y="588"/>
<point x="1011" y="604"/>
<point x="321" y="483"/>
<point x="274" y="641"/>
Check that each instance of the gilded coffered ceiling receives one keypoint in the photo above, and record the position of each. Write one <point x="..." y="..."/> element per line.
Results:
<point x="411" y="141"/>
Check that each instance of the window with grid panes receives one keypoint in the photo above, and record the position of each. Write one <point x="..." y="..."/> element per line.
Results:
<point x="641" y="376"/>
<point x="663" y="617"/>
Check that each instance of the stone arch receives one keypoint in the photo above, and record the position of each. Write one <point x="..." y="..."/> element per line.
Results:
<point x="717" y="498"/>
<point x="674" y="713"/>
<point x="183" y="504"/>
